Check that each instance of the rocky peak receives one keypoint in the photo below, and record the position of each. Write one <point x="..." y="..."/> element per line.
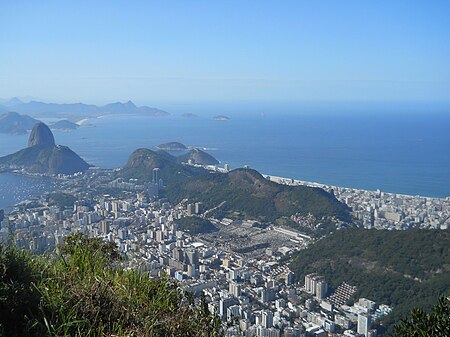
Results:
<point x="41" y="135"/>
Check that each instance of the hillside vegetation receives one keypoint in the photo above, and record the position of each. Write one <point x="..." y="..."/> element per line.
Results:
<point x="249" y="193"/>
<point x="84" y="292"/>
<point x="246" y="193"/>
<point x="198" y="156"/>
<point x="196" y="225"/>
<point x="421" y="323"/>
<point x="404" y="269"/>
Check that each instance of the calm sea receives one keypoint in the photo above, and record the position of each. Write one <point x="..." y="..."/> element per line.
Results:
<point x="15" y="188"/>
<point x="397" y="148"/>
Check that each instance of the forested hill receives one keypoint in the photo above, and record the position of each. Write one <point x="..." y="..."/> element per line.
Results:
<point x="242" y="191"/>
<point x="248" y="193"/>
<point x="405" y="269"/>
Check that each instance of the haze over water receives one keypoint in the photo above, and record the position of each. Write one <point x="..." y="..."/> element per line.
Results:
<point x="366" y="147"/>
<point x="244" y="52"/>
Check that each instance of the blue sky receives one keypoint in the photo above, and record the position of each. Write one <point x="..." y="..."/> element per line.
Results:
<point x="151" y="51"/>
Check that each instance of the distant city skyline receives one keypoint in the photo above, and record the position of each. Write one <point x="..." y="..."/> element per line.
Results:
<point x="202" y="51"/>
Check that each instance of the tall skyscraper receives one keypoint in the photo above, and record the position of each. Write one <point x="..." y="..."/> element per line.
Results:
<point x="192" y="257"/>
<point x="267" y="319"/>
<point x="155" y="176"/>
<point x="364" y="324"/>
<point x="224" y="304"/>
<point x="235" y="289"/>
<point x="198" y="207"/>
<point x="321" y="289"/>
<point x="289" y="278"/>
<point x="190" y="209"/>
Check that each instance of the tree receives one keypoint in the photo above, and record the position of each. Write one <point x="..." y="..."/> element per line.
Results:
<point x="422" y="324"/>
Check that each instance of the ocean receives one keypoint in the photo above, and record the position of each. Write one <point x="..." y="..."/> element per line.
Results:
<point x="16" y="188"/>
<point x="397" y="148"/>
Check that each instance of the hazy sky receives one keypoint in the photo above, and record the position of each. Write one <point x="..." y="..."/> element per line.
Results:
<point x="150" y="51"/>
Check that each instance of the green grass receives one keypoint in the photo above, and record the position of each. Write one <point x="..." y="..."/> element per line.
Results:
<point x="84" y="292"/>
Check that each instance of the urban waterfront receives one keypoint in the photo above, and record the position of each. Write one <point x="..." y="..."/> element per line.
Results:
<point x="391" y="152"/>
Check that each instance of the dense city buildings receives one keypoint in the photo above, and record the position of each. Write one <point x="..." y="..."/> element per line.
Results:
<point x="382" y="210"/>
<point x="252" y="291"/>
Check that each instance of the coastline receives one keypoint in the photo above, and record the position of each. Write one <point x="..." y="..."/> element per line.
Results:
<point x="371" y="209"/>
<point x="291" y="181"/>
<point x="276" y="179"/>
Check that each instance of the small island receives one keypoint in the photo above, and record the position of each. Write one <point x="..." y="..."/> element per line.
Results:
<point x="64" y="125"/>
<point x="189" y="115"/>
<point x="220" y="118"/>
<point x="172" y="146"/>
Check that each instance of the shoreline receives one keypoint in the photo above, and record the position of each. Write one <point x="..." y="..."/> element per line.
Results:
<point x="274" y="178"/>
<point x="291" y="181"/>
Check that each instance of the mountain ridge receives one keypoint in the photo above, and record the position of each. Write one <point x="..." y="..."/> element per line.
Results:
<point x="15" y="123"/>
<point x="42" y="108"/>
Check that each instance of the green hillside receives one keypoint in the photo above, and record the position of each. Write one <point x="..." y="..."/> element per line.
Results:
<point x="141" y="163"/>
<point x="252" y="196"/>
<point x="400" y="268"/>
<point x="246" y="193"/>
<point x="196" y="225"/>
<point x="198" y="156"/>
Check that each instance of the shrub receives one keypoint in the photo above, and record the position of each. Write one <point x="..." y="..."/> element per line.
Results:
<point x="83" y="291"/>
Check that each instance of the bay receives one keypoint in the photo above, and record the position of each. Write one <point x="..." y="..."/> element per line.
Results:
<point x="17" y="188"/>
<point x="394" y="148"/>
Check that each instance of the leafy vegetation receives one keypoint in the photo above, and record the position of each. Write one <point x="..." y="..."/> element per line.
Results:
<point x="198" y="157"/>
<point x="142" y="161"/>
<point x="83" y="291"/>
<point x="196" y="225"/>
<point x="245" y="191"/>
<point x="433" y="324"/>
<point x="249" y="193"/>
<point x="62" y="200"/>
<point x="399" y="268"/>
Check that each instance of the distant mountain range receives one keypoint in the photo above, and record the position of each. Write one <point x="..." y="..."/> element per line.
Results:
<point x="43" y="156"/>
<point x="41" y="109"/>
<point x="14" y="123"/>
